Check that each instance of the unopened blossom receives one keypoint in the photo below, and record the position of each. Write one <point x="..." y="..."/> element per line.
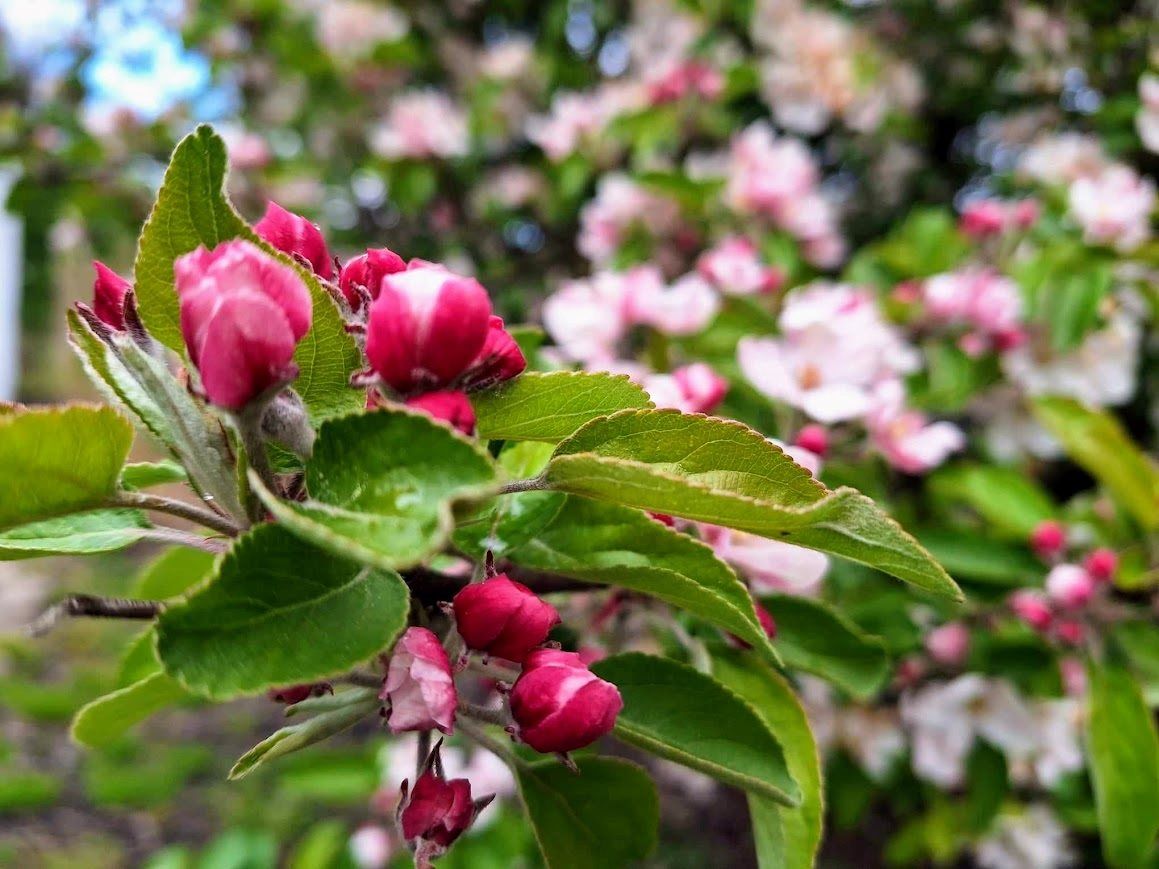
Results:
<point x="814" y="438"/>
<point x="1114" y="207"/>
<point x="1101" y="564"/>
<point x="109" y="291"/>
<point x="694" y="388"/>
<point x="907" y="440"/>
<point x="1026" y="838"/>
<point x="503" y="618"/>
<point x="295" y="235"/>
<point x="426" y="327"/>
<point x="559" y="705"/>
<point x="735" y="268"/>
<point x="1069" y="586"/>
<point x="1070" y="631"/>
<point x="420" y="124"/>
<point x="1032" y="608"/>
<point x="1048" y="539"/>
<point x="499" y="359"/>
<point x="948" y="644"/>
<point x="689" y="78"/>
<point x="684" y="307"/>
<point x="366" y="271"/>
<point x="944" y="718"/>
<point x="436" y="811"/>
<point x="242" y="315"/>
<point x="982" y="218"/>
<point x="981" y="300"/>
<point x="419" y="684"/>
<point x="451" y="406"/>
<point x="292" y="694"/>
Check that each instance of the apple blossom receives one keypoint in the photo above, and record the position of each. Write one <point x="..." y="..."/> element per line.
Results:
<point x="1032" y="608"/>
<point x="949" y="644"/>
<point x="1048" y="539"/>
<point x="559" y="705"/>
<point x="503" y="618"/>
<point x="419" y="684"/>
<point x="109" y="291"/>
<point x="814" y="438"/>
<point x="295" y="235"/>
<point x="685" y="307"/>
<point x="734" y="267"/>
<point x="436" y="810"/>
<point x="421" y="123"/>
<point x="1068" y="585"/>
<point x="1101" y="564"/>
<point x="1114" y="207"/>
<point x="449" y="405"/>
<point x="367" y="271"/>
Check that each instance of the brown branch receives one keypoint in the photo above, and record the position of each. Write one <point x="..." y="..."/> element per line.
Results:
<point x="174" y="507"/>
<point x="91" y="606"/>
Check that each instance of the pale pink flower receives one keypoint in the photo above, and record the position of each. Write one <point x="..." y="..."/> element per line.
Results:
<point x="419" y="684"/>
<point x="1031" y="838"/>
<point x="1068" y="585"/>
<point x="684" y="307"/>
<point x="587" y="318"/>
<point x="620" y="206"/>
<point x="1114" y="207"/>
<point x="1147" y="121"/>
<point x="907" y="440"/>
<point x="734" y="267"/>
<point x="1063" y="158"/>
<point x="765" y="172"/>
<point x="948" y="644"/>
<point x="422" y="123"/>
<point x="695" y="388"/>
<point x="979" y="299"/>
<point x="769" y="565"/>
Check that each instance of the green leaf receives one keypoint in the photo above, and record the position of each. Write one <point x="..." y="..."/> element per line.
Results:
<point x="619" y="546"/>
<point x="382" y="485"/>
<point x="1123" y="750"/>
<point x="107" y="718"/>
<point x="139" y="660"/>
<point x="192" y="210"/>
<point x="688" y="717"/>
<point x="1013" y="503"/>
<point x="1095" y="440"/>
<point x="604" y="818"/>
<point x="786" y="838"/>
<point x="970" y="556"/>
<point x="59" y="460"/>
<point x="144" y="475"/>
<point x="78" y="534"/>
<point x="173" y="573"/>
<point x="549" y="407"/>
<point x="299" y="736"/>
<point x="279" y="611"/>
<point x="813" y="637"/>
<point x="722" y="472"/>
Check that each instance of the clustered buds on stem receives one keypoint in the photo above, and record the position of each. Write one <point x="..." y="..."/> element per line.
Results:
<point x="1070" y="590"/>
<point x="436" y="811"/>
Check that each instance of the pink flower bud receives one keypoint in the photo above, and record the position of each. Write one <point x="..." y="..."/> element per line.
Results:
<point x="297" y="693"/>
<point x="767" y="623"/>
<point x="1101" y="564"/>
<point x="242" y="314"/>
<point x="1025" y="213"/>
<point x="1074" y="676"/>
<point x="814" y="438"/>
<point x="426" y="327"/>
<point x="949" y="644"/>
<point x="560" y="705"/>
<point x="500" y="358"/>
<point x="1070" y="586"/>
<point x="702" y="388"/>
<point x="109" y="290"/>
<point x="450" y="405"/>
<point x="419" y="684"/>
<point x="437" y="810"/>
<point x="1048" y="539"/>
<point x="1031" y="607"/>
<point x="1070" y="632"/>
<point x="503" y="618"/>
<point x="293" y="234"/>
<point x="983" y="217"/>
<point x="367" y="270"/>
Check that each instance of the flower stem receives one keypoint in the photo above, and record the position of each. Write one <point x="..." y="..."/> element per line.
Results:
<point x="181" y="509"/>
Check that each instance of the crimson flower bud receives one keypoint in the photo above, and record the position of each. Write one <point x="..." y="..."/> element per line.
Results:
<point x="293" y="234"/>
<point x="437" y="810"/>
<point x="766" y="619"/>
<point x="450" y="405"/>
<point x="1101" y="564"/>
<point x="949" y="644"/>
<point x="813" y="438"/>
<point x="559" y="705"/>
<point x="419" y="684"/>
<point x="367" y="270"/>
<point x="109" y="291"/>
<point x="499" y="360"/>
<point x="297" y="693"/>
<point x="1070" y="586"/>
<point x="983" y="218"/>
<point x="426" y="327"/>
<point x="1048" y="539"/>
<point x="1031" y="607"/>
<point x="503" y="618"/>
<point x="1070" y="632"/>
<point x="242" y="315"/>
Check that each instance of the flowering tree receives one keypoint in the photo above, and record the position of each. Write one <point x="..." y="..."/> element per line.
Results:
<point x="771" y="322"/>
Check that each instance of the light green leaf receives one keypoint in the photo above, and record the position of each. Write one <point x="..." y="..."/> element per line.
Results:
<point x="604" y="818"/>
<point x="969" y="556"/>
<point x="813" y="637"/>
<point x="786" y="838"/>
<point x="549" y="407"/>
<point x="192" y="210"/>
<point x="1123" y="750"/>
<point x="144" y="475"/>
<point x="229" y="637"/>
<point x="1011" y="502"/>
<point x="299" y="736"/>
<point x="1095" y="440"/>
<point x="139" y="660"/>
<point x="724" y="473"/>
<point x="77" y="534"/>
<point x="59" y="460"/>
<point x="381" y="487"/>
<point x="614" y="545"/>
<point x="107" y="718"/>
<point x="173" y="573"/>
<point x="683" y="715"/>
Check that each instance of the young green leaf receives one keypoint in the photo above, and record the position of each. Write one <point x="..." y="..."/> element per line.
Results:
<point x="813" y="637"/>
<point x="192" y="210"/>
<point x="786" y="838"/>
<point x="298" y="736"/>
<point x="279" y="611"/>
<point x="1097" y="442"/>
<point x="173" y="573"/>
<point x="724" y="473"/>
<point x="77" y="534"/>
<point x="381" y="487"/>
<point x="614" y="545"/>
<point x="604" y="818"/>
<point x="144" y="475"/>
<point x="683" y="715"/>
<point x="1124" y="758"/>
<point x="549" y="407"/>
<point x="107" y="718"/>
<point x="1008" y="500"/>
<point x="59" y="460"/>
